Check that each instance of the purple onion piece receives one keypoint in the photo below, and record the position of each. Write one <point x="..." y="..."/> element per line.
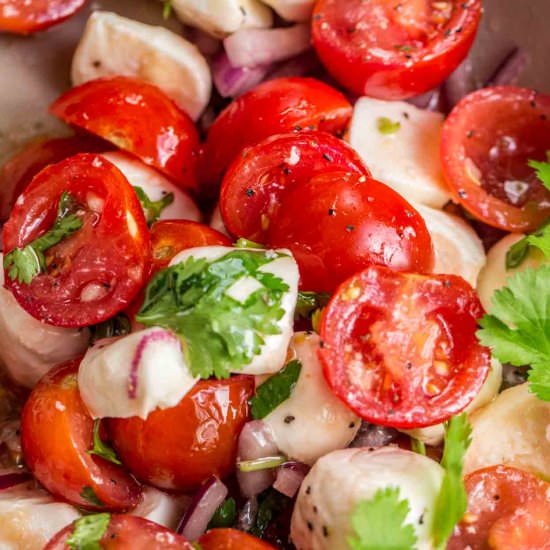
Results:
<point x="510" y="69"/>
<point x="15" y="478"/>
<point x="459" y="84"/>
<point x="301" y="65"/>
<point x="373" y="436"/>
<point x="430" y="101"/>
<point x="289" y="478"/>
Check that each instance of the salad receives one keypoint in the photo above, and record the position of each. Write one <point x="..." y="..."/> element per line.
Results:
<point x="282" y="283"/>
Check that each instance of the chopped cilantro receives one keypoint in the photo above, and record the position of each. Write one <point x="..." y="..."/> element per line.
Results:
<point x="119" y="325"/>
<point x="309" y="302"/>
<point x="88" y="532"/>
<point x="387" y="126"/>
<point x="153" y="209"/>
<point x="225" y="515"/>
<point x="245" y="243"/>
<point x="271" y="506"/>
<point x="259" y="464"/>
<point x="88" y="494"/>
<point x="543" y="170"/>
<point x="100" y="448"/>
<point x="167" y="9"/>
<point x="418" y="446"/>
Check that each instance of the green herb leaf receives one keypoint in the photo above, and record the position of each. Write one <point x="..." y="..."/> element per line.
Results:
<point x="219" y="333"/>
<point x="167" y="9"/>
<point x="245" y="243"/>
<point x="387" y="126"/>
<point x="309" y="302"/>
<point x="225" y="516"/>
<point x="119" y="325"/>
<point x="380" y="523"/>
<point x="153" y="209"/>
<point x="543" y="170"/>
<point x="89" y="495"/>
<point x="271" y="505"/>
<point x="275" y="390"/>
<point x="259" y="464"/>
<point x="100" y="448"/>
<point x="452" y="500"/>
<point x="88" y="532"/>
<point x="418" y="446"/>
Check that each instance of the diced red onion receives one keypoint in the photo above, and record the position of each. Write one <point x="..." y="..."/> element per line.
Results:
<point x="373" y="436"/>
<point x="509" y="71"/>
<point x="234" y="81"/>
<point x="203" y="506"/>
<point x="430" y="101"/>
<point x="206" y="43"/>
<point x="302" y="65"/>
<point x="253" y="47"/>
<point x="459" y="84"/>
<point x="290" y="477"/>
<point x="12" y="479"/>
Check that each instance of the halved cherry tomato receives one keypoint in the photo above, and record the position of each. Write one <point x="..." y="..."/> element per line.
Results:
<point x="393" y="50"/>
<point x="508" y="509"/>
<point x="273" y="107"/>
<point x="180" y="447"/>
<point x="22" y="17"/>
<point x="400" y="348"/>
<point x="138" y="118"/>
<point x="231" y="539"/>
<point x="486" y="144"/>
<point x="128" y="533"/>
<point x="97" y="271"/>
<point x="56" y="435"/>
<point x="259" y="177"/>
<point x="339" y="223"/>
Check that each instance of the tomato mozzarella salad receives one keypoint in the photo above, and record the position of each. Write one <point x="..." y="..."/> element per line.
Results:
<point x="273" y="289"/>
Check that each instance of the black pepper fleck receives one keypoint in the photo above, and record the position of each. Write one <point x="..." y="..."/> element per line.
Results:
<point x="350" y="228"/>
<point x="325" y="531"/>
<point x="289" y="419"/>
<point x="352" y="424"/>
<point x="315" y="510"/>
<point x="249" y="192"/>
<point x="308" y="490"/>
<point x="470" y="134"/>
<point x="461" y="193"/>
<point x="310" y="525"/>
<point x="331" y="212"/>
<point x="327" y="157"/>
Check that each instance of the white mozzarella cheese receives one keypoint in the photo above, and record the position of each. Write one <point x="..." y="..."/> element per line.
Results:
<point x="156" y="186"/>
<point x="292" y="10"/>
<point x="30" y="348"/>
<point x="514" y="429"/>
<point x="114" y="45"/>
<point x="161" y="507"/>
<point x="216" y="221"/>
<point x="222" y="17"/>
<point x="150" y="360"/>
<point x="31" y="517"/>
<point x="408" y="159"/>
<point x="274" y="351"/>
<point x="312" y="421"/>
<point x="340" y="480"/>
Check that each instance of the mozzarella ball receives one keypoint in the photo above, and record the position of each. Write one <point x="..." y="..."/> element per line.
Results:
<point x="161" y="507"/>
<point x="292" y="10"/>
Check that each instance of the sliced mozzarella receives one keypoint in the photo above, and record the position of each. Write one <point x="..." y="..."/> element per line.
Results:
<point x="161" y="507"/>
<point x="222" y="17"/>
<point x="161" y="376"/>
<point x="513" y="429"/>
<point x="408" y="159"/>
<point x="494" y="275"/>
<point x="458" y="250"/>
<point x="114" y="45"/>
<point x="292" y="10"/>
<point x="312" y="421"/>
<point x="30" y="348"/>
<point x="340" y="480"/>
<point x="31" y="517"/>
<point x="273" y="352"/>
<point x="156" y="186"/>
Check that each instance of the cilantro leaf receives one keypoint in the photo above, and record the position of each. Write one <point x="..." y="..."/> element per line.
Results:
<point x="309" y="302"/>
<point x="88" y="532"/>
<point x="88" y="494"/>
<point x="543" y="170"/>
<point x="452" y="500"/>
<point x="246" y="243"/>
<point x="271" y="505"/>
<point x="275" y="390"/>
<point x="219" y="333"/>
<point x="167" y="9"/>
<point x="225" y="515"/>
<point x="379" y="523"/>
<point x="387" y="126"/>
<point x="100" y="448"/>
<point x="153" y="209"/>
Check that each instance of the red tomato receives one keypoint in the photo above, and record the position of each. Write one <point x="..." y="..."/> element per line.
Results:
<point x="231" y="539"/>
<point x="508" y="509"/>
<point x="338" y="223"/>
<point x="97" y="271"/>
<point x="486" y="144"/>
<point x="128" y="533"/>
<point x="181" y="447"/>
<point x="273" y="107"/>
<point x="259" y="177"/>
<point x="138" y="118"/>
<point x="393" y="50"/>
<point x="56" y="435"/>
<point x="400" y="348"/>
<point x="23" y="17"/>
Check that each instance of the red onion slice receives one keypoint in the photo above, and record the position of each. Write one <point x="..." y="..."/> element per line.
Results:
<point x="203" y="506"/>
<point x="510" y="69"/>
<point x="290" y="477"/>
<point x="373" y="436"/>
<point x="234" y="81"/>
<point x="12" y="479"/>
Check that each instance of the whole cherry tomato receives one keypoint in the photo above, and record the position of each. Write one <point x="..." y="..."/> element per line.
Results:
<point x="400" y="349"/>
<point x="138" y="118"/>
<point x="56" y="435"/>
<point x="393" y="50"/>
<point x="231" y="539"/>
<point x="180" y="447"/>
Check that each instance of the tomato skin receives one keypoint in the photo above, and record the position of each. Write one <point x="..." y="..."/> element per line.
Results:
<point x="56" y="434"/>
<point x="273" y="107"/>
<point x="498" y="130"/>
<point x="257" y="180"/>
<point x="338" y="223"/>
<point x="508" y="509"/>
<point x="180" y="447"/>
<point x="115" y="242"/>
<point x="28" y="17"/>
<point x="400" y="348"/>
<point x="128" y="533"/>
<point x="153" y="129"/>
<point x="374" y="49"/>
<point x="231" y="539"/>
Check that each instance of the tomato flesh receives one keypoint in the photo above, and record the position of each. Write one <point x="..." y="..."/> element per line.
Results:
<point x="231" y="539"/>
<point x="400" y="348"/>
<point x="393" y="50"/>
<point x="487" y="141"/>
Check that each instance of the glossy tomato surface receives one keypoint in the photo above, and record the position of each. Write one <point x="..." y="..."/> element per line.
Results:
<point x="181" y="447"/>
<point x="95" y="272"/>
<point x="56" y="435"/>
<point x="138" y="118"/>
<point x="126" y="532"/>
<point x="393" y="50"/>
<point x="25" y="17"/>
<point x="339" y="223"/>
<point x="508" y="509"/>
<point x="231" y="539"/>
<point x="400" y="349"/>
<point x="273" y="107"/>
<point x="487" y="142"/>
<point x="260" y="176"/>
